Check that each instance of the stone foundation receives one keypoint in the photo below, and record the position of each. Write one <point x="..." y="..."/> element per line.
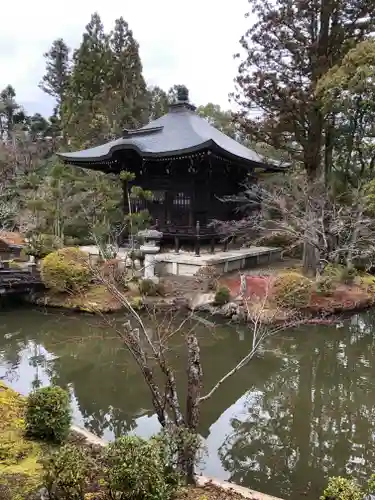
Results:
<point x="188" y="264"/>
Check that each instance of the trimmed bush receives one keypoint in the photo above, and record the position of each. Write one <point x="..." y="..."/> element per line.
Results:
<point x="292" y="290"/>
<point x="66" y="270"/>
<point x="148" y="288"/>
<point x="48" y="414"/>
<point x="340" y="488"/>
<point x="69" y="474"/>
<point x="222" y="296"/>
<point x="135" y="469"/>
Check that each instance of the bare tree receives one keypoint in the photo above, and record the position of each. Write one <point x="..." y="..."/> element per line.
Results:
<point x="343" y="232"/>
<point x="149" y="346"/>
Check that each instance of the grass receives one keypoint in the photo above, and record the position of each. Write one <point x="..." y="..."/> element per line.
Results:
<point x="20" y="472"/>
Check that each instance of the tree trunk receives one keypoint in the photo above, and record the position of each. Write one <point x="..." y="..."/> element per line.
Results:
<point x="194" y="372"/>
<point x="310" y="257"/>
<point x="313" y="170"/>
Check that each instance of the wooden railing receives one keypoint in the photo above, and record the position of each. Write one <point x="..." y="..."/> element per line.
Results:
<point x="196" y="234"/>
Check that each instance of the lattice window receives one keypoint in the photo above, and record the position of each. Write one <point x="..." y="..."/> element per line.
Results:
<point x="182" y="200"/>
<point x="137" y="204"/>
<point x="158" y="196"/>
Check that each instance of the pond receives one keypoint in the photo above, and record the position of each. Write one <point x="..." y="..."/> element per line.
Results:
<point x="303" y="410"/>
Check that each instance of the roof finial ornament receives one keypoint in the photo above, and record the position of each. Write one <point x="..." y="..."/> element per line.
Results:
<point x="182" y="93"/>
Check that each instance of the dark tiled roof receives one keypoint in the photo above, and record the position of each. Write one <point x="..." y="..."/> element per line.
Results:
<point x="179" y="132"/>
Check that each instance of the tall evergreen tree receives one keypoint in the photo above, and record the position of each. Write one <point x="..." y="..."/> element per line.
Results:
<point x="287" y="50"/>
<point x="84" y="118"/>
<point x="128" y="93"/>
<point x="56" y="77"/>
<point x="158" y="102"/>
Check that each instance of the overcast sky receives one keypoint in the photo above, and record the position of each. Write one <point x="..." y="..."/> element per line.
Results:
<point x="184" y="42"/>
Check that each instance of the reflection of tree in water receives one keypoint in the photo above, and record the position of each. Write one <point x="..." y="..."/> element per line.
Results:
<point x="105" y="382"/>
<point x="309" y="411"/>
<point x="110" y="392"/>
<point x="313" y="418"/>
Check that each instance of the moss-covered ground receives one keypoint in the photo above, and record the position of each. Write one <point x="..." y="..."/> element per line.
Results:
<point x="20" y="471"/>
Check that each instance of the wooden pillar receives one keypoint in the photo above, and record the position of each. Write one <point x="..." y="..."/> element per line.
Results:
<point x="197" y="240"/>
<point x="212" y="249"/>
<point x="176" y="244"/>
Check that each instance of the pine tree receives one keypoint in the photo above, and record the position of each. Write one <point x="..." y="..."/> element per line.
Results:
<point x="11" y="112"/>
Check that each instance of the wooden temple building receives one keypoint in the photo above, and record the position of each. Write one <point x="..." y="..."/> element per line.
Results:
<point x="186" y="163"/>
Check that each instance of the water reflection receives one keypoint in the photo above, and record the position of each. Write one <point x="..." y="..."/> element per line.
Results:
<point x="302" y="411"/>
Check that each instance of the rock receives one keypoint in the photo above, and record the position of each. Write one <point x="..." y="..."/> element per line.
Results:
<point x="133" y="287"/>
<point x="200" y="301"/>
<point x="137" y="264"/>
<point x="42" y="494"/>
<point x="230" y="309"/>
<point x="181" y="303"/>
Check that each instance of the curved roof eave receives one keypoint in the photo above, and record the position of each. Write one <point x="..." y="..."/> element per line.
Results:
<point x="210" y="145"/>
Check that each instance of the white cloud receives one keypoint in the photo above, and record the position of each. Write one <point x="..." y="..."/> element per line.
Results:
<point x="180" y="42"/>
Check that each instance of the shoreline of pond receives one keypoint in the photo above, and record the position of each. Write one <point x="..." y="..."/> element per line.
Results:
<point x="202" y="305"/>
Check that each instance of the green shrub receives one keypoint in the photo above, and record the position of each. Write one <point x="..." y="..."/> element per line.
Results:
<point x="340" y="488"/>
<point x="333" y="271"/>
<point x="136" y="303"/>
<point x="371" y="484"/>
<point x="366" y="282"/>
<point x="66" y="270"/>
<point x="348" y="275"/>
<point x="48" y="414"/>
<point x="40" y="245"/>
<point x="69" y="474"/>
<point x="135" y="469"/>
<point x="292" y="290"/>
<point x="148" y="288"/>
<point x="343" y="274"/>
<point x="325" y="286"/>
<point x="222" y="296"/>
<point x="170" y="441"/>
<point x="18" y="486"/>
